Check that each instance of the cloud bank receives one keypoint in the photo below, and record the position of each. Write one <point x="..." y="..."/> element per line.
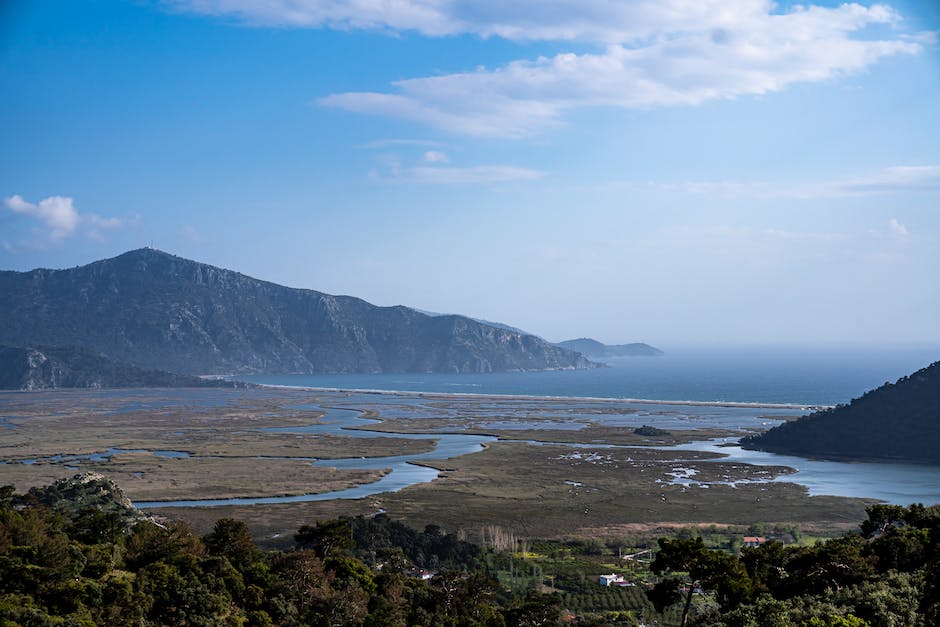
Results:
<point x="605" y="21"/>
<point x="652" y="53"/>
<point x="752" y="57"/>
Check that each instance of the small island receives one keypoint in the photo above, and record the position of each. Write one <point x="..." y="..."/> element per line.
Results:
<point x="592" y="349"/>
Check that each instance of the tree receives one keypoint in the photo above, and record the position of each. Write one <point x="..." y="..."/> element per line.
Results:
<point x="716" y="570"/>
<point x="681" y="555"/>
<point x="230" y="538"/>
<point x="326" y="539"/>
<point x="882" y="517"/>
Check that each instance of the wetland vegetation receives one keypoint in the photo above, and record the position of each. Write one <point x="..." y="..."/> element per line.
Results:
<point x="561" y="468"/>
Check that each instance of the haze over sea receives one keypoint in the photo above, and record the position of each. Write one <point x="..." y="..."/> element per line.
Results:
<point x="811" y="375"/>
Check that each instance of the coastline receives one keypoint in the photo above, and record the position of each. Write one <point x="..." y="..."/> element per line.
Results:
<point x="531" y="397"/>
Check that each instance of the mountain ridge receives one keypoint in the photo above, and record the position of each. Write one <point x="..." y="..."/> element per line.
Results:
<point x="155" y="310"/>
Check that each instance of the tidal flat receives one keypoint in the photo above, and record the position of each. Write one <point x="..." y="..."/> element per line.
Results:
<point x="550" y="468"/>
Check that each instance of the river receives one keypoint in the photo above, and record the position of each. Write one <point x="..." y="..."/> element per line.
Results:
<point x="893" y="483"/>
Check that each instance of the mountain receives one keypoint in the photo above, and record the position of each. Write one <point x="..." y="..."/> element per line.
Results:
<point x="897" y="422"/>
<point x="158" y="311"/>
<point x="56" y="367"/>
<point x="592" y="348"/>
<point x="498" y="325"/>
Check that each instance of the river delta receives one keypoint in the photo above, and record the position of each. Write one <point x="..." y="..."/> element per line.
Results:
<point x="278" y="456"/>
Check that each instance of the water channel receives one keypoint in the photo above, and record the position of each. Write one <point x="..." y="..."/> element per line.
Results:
<point x="892" y="483"/>
<point x="348" y="423"/>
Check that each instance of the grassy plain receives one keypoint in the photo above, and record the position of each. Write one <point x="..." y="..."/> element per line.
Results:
<point x="551" y="490"/>
<point x="228" y="456"/>
<point x="144" y="477"/>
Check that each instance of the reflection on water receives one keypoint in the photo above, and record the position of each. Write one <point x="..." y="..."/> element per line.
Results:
<point x="899" y="484"/>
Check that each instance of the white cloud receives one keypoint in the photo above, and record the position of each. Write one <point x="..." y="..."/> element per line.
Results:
<point x="426" y="16"/>
<point x="56" y="212"/>
<point x="895" y="179"/>
<point x="387" y="143"/>
<point x="431" y="167"/>
<point x="656" y="52"/>
<point x="103" y="223"/>
<point x="604" y="21"/>
<point x="897" y="228"/>
<point x="927" y="37"/>
<point x="60" y="217"/>
<point x="483" y="174"/>
<point x="906" y="177"/>
<point x="752" y="53"/>
<point x="435" y="156"/>
<point x="804" y="236"/>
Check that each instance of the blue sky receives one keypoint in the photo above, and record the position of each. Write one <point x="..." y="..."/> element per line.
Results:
<point x="670" y="171"/>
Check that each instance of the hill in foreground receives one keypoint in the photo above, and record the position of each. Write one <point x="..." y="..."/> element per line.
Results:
<point x="40" y="368"/>
<point x="158" y="311"/>
<point x="895" y="422"/>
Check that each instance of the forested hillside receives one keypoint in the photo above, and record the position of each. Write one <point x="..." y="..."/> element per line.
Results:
<point x="897" y="421"/>
<point x="38" y="368"/>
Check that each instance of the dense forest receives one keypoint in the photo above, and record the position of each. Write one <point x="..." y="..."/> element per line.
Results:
<point x="78" y="553"/>
<point x="897" y="421"/>
<point x="888" y="574"/>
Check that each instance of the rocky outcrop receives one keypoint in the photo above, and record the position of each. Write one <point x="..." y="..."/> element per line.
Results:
<point x="80" y="494"/>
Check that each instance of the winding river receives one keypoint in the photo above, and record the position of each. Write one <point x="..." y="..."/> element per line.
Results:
<point x="892" y="483"/>
<point x="348" y="423"/>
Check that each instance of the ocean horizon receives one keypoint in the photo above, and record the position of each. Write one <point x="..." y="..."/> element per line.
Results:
<point x="795" y="376"/>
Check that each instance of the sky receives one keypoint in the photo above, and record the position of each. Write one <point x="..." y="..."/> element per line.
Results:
<point x="671" y="171"/>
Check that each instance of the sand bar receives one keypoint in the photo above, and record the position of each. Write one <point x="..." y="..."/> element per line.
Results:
<point x="527" y="397"/>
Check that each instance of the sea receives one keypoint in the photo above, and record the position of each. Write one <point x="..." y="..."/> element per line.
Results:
<point x="804" y="376"/>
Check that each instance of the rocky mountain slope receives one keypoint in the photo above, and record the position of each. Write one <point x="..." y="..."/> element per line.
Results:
<point x="154" y="310"/>
<point x="897" y="422"/>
